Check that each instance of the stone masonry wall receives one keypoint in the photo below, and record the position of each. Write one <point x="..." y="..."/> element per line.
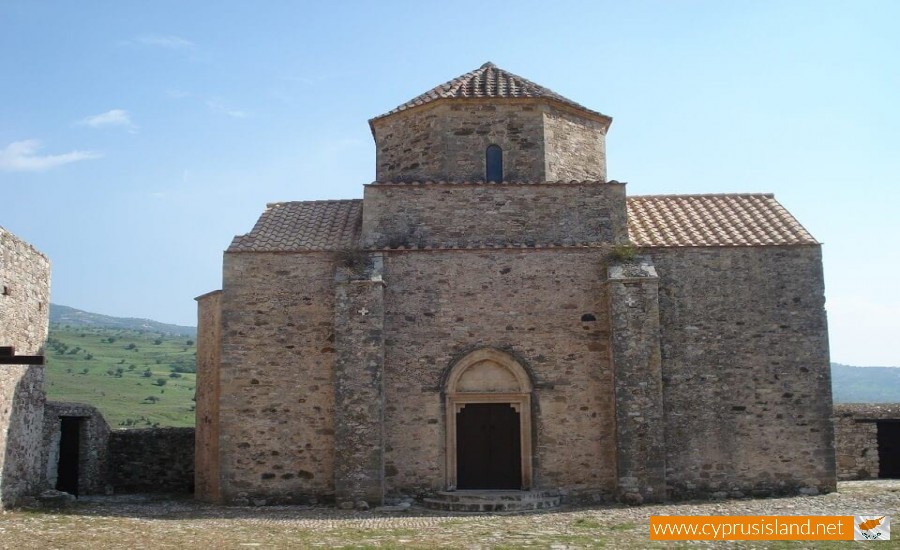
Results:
<point x="209" y="356"/>
<point x="152" y="460"/>
<point x="463" y="215"/>
<point x="446" y="141"/>
<point x="24" y="295"/>
<point x="746" y="376"/>
<point x="640" y="434"/>
<point x="276" y="436"/>
<point x="359" y="387"/>
<point x="548" y="308"/>
<point x="24" y="311"/>
<point x="575" y="147"/>
<point x="856" y="438"/>
<point x="93" y="446"/>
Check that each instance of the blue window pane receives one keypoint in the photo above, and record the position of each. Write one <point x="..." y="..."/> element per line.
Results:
<point x="494" y="164"/>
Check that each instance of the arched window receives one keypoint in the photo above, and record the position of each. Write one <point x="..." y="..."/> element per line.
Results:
<point x="494" y="164"/>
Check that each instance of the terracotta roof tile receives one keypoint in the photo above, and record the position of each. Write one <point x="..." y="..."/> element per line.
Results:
<point x="653" y="221"/>
<point x="488" y="81"/>
<point x="712" y="220"/>
<point x="305" y="225"/>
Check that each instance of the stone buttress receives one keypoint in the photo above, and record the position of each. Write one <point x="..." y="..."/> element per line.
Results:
<point x="359" y="384"/>
<point x="640" y="432"/>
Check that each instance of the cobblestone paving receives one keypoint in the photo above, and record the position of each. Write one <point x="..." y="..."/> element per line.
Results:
<point x="152" y="522"/>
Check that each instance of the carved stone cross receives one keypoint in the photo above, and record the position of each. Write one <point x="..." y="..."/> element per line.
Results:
<point x="363" y="312"/>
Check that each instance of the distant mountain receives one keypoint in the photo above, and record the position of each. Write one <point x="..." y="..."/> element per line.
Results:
<point x="64" y="315"/>
<point x="865" y="384"/>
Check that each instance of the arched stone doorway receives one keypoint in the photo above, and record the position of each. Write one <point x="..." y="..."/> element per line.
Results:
<point x="488" y="423"/>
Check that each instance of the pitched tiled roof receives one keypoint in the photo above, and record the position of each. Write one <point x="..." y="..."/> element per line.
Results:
<point x="306" y="225"/>
<point x="653" y="221"/>
<point x="712" y="220"/>
<point x="488" y="81"/>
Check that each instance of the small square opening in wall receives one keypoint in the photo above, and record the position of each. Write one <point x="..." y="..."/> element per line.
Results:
<point x="5" y="290"/>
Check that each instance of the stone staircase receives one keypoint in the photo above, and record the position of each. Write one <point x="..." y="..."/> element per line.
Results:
<point x="492" y="501"/>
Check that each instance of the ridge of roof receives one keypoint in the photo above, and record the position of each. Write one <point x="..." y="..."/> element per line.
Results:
<point x="488" y="81"/>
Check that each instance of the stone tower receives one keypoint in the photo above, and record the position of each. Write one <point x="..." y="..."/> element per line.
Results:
<point x="24" y="311"/>
<point x="451" y="132"/>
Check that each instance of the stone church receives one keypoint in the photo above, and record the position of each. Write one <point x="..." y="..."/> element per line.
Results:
<point x="496" y="314"/>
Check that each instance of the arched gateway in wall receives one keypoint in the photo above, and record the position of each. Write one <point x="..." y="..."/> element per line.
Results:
<point x="488" y="419"/>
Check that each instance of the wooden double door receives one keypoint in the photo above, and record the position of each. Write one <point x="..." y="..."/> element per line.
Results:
<point x="488" y="447"/>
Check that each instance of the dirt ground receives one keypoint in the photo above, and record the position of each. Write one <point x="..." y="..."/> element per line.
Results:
<point x="142" y="521"/>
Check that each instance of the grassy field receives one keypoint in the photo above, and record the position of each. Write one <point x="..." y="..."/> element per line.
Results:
<point x="136" y="378"/>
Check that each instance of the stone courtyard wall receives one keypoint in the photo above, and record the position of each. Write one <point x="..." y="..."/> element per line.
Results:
<point x="24" y="313"/>
<point x="746" y="375"/>
<point x="548" y="309"/>
<point x="461" y="215"/>
<point x="152" y="460"/>
<point x="276" y="412"/>
<point x="856" y="438"/>
<point x="93" y="446"/>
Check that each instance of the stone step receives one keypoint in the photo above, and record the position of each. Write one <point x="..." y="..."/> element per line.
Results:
<point x="492" y="501"/>
<point x="492" y="496"/>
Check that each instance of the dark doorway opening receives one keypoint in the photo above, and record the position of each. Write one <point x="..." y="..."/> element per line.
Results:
<point x="488" y="447"/>
<point x="69" y="451"/>
<point x="889" y="449"/>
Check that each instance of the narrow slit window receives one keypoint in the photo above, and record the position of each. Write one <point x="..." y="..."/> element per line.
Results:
<point x="494" y="164"/>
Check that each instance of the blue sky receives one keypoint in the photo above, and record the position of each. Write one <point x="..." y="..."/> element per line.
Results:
<point x="137" y="138"/>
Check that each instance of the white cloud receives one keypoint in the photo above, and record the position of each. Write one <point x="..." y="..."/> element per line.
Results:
<point x="113" y="117"/>
<point x="218" y="106"/>
<point x="168" y="42"/>
<point x="21" y="156"/>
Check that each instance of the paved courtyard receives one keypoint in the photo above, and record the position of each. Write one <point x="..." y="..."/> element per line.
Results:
<point x="141" y="521"/>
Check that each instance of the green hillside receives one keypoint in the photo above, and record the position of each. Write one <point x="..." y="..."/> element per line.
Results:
<point x="137" y="378"/>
